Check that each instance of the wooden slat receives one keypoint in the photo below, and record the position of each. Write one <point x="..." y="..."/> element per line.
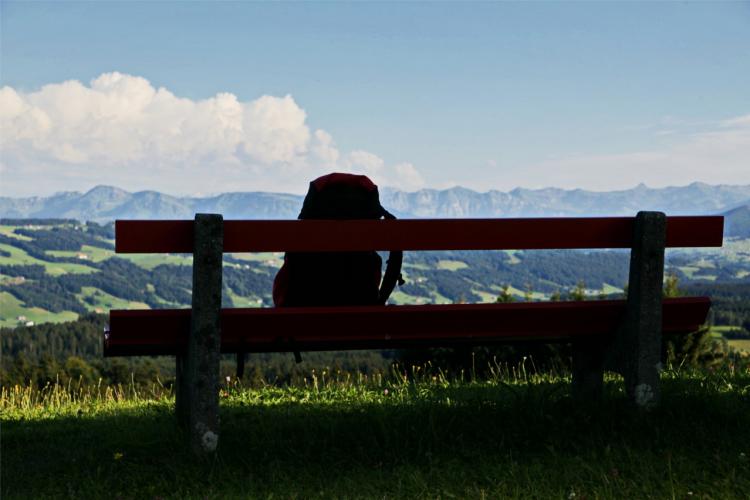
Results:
<point x="154" y="236"/>
<point x="134" y="332"/>
<point x="135" y="236"/>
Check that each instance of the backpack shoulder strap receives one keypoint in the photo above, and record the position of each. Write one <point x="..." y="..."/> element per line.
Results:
<point x="392" y="270"/>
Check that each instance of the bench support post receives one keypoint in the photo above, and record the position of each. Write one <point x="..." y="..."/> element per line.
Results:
<point x="638" y="342"/>
<point x="197" y="395"/>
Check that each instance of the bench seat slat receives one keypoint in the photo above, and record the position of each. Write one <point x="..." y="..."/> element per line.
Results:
<point x="166" y="331"/>
<point x="138" y="236"/>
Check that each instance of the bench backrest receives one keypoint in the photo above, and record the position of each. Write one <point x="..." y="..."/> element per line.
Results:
<point x="176" y="236"/>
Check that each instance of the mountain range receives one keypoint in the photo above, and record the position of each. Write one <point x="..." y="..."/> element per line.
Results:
<point x="106" y="203"/>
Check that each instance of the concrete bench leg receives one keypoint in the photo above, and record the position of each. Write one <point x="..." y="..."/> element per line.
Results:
<point x="638" y="342"/>
<point x="197" y="391"/>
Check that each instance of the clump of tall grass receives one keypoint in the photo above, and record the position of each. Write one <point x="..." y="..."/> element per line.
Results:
<point x="401" y="385"/>
<point x="61" y="399"/>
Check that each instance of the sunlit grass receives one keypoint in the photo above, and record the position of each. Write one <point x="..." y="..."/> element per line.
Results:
<point x="20" y="257"/>
<point x="11" y="308"/>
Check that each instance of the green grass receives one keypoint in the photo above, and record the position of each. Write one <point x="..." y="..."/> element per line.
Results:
<point x="707" y="277"/>
<point x="409" y="265"/>
<point x="372" y="438"/>
<point x="400" y="298"/>
<point x="274" y="259"/>
<point x="8" y="231"/>
<point x="150" y="261"/>
<point x="513" y="259"/>
<point x="18" y="256"/>
<point x="451" y="265"/>
<point x="689" y="271"/>
<point x="240" y="301"/>
<point x="740" y="344"/>
<point x="723" y="328"/>
<point x="104" y="301"/>
<point x="11" y="308"/>
<point x="94" y="254"/>
<point x="486" y="297"/>
<point x="610" y="289"/>
<point x="516" y="292"/>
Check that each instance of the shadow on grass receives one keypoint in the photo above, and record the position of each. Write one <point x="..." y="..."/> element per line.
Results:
<point x="467" y="441"/>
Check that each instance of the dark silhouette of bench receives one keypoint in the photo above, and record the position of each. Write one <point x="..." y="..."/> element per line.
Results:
<point x="618" y="335"/>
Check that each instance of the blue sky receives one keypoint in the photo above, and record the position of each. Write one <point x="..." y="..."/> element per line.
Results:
<point x="486" y="95"/>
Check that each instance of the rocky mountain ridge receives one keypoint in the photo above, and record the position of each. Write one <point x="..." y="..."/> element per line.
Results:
<point x="106" y="203"/>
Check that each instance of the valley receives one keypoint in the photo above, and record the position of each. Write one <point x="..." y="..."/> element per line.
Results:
<point x="56" y="270"/>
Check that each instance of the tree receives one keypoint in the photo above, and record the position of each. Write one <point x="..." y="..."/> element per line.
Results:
<point x="579" y="292"/>
<point x="505" y="295"/>
<point x="76" y="368"/>
<point x="671" y="288"/>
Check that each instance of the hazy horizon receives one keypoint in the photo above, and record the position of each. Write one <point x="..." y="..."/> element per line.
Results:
<point x="207" y="195"/>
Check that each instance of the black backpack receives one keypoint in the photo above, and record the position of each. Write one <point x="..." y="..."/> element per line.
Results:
<point x="338" y="278"/>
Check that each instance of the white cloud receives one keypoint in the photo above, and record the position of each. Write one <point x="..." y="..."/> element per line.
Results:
<point x="324" y="149"/>
<point x="402" y="175"/>
<point x="364" y="162"/>
<point x="407" y="177"/>
<point x="739" y="121"/>
<point x="121" y="130"/>
<point x="719" y="154"/>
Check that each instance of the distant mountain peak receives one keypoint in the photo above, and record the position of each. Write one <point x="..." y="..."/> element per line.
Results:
<point x="102" y="188"/>
<point x="103" y="203"/>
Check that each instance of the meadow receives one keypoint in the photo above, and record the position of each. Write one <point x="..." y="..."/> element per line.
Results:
<point x="515" y="435"/>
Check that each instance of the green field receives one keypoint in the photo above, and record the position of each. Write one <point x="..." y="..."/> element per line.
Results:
<point x="512" y="258"/>
<point x="486" y="296"/>
<point x="18" y="256"/>
<point x="274" y="259"/>
<point x="94" y="254"/>
<point x="104" y="301"/>
<point x="610" y="289"/>
<point x="240" y="301"/>
<point x="150" y="261"/>
<point x="8" y="231"/>
<point x="354" y="437"/>
<point x="409" y="265"/>
<point x="452" y="265"/>
<point x="400" y="298"/>
<point x="740" y="345"/>
<point x="723" y="329"/>
<point x="11" y="308"/>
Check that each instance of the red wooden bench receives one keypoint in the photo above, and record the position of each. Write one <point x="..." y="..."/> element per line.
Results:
<point x="621" y="335"/>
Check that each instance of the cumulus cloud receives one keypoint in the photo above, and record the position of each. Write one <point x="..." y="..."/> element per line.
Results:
<point x="121" y="130"/>
<point x="403" y="175"/>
